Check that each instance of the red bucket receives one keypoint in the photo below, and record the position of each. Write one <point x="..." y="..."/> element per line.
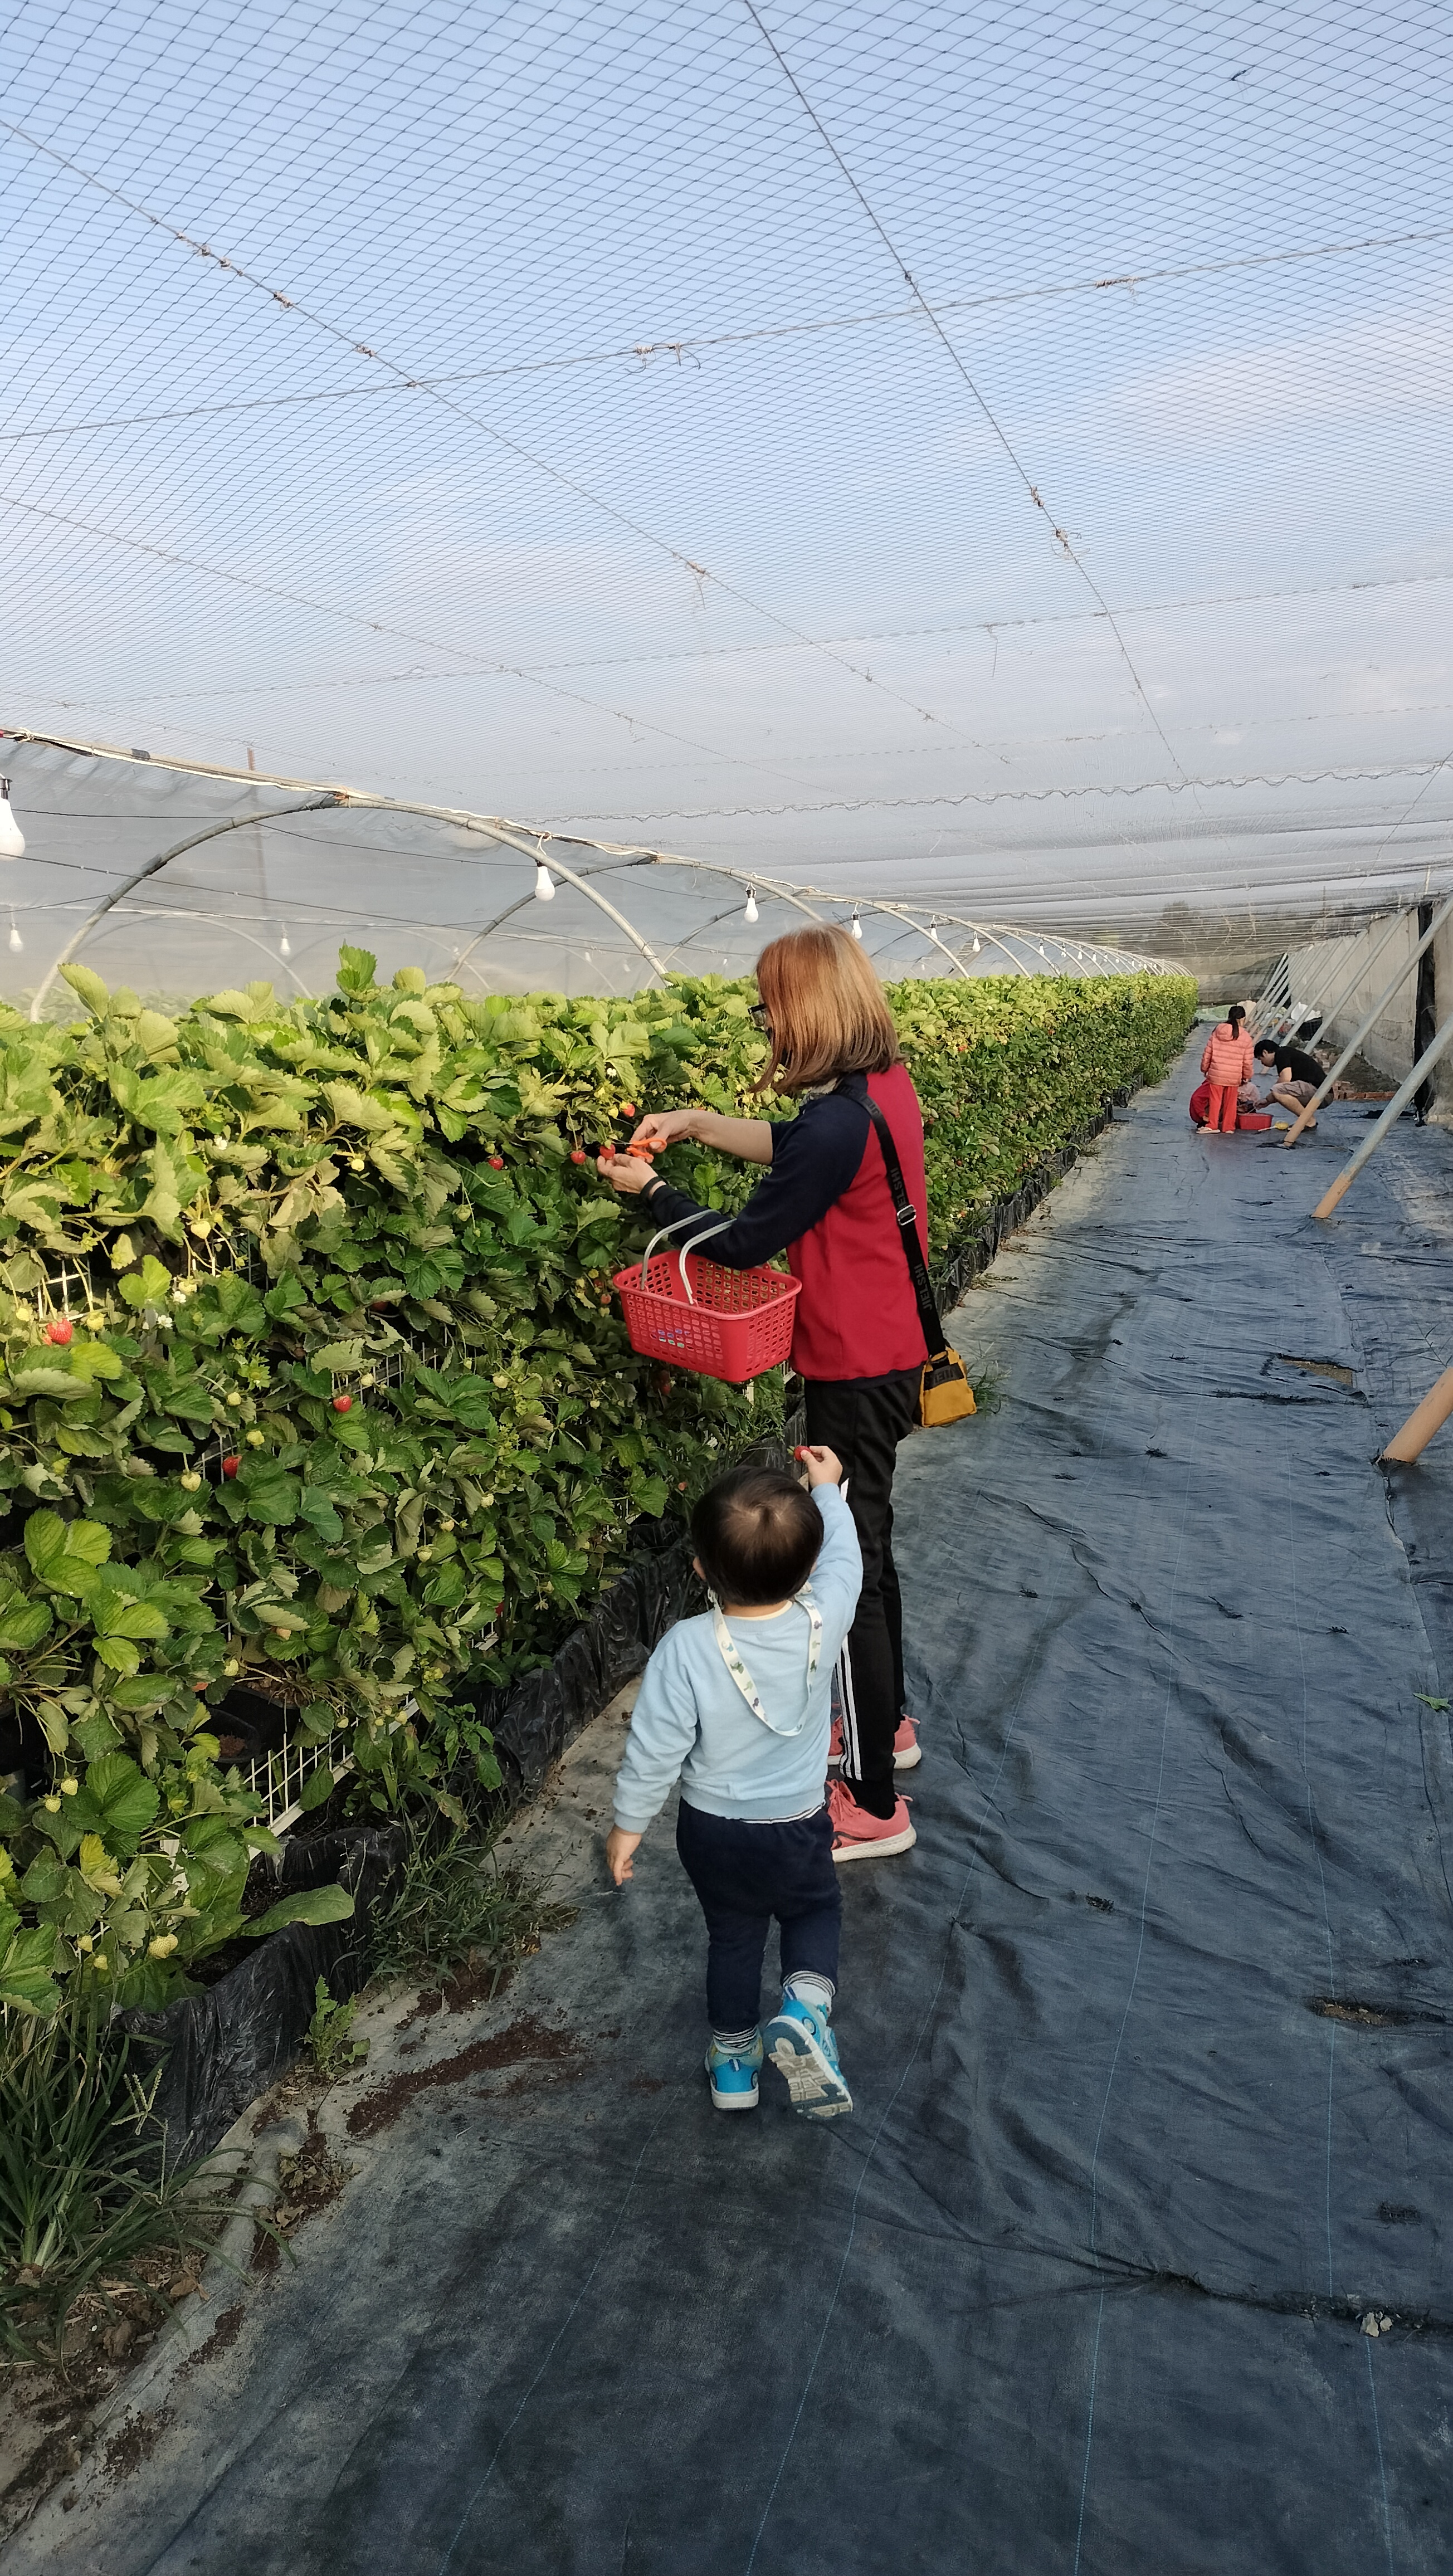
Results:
<point x="735" y="1324"/>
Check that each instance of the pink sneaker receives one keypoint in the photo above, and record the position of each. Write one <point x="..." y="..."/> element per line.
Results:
<point x="858" y="1836"/>
<point x="906" y="1751"/>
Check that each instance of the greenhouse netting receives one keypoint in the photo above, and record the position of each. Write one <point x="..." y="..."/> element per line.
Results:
<point x="990" y="458"/>
<point x="175" y="880"/>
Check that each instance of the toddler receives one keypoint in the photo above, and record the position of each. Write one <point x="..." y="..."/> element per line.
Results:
<point x="736" y="1705"/>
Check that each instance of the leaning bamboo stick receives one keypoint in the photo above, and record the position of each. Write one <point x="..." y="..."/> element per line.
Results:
<point x="1418" y="1430"/>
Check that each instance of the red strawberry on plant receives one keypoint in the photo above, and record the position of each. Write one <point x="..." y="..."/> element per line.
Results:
<point x="496" y="1162"/>
<point x="230" y="1466"/>
<point x="60" y="1331"/>
<point x="628" y="1108"/>
<point x="577" y="1154"/>
<point x="342" y="1403"/>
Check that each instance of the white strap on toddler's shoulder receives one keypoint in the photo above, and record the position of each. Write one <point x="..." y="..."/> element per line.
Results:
<point x="731" y="1657"/>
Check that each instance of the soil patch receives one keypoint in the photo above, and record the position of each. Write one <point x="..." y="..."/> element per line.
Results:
<point x="307" y="2183"/>
<point x="522" y="2041"/>
<point x="1365" y="2016"/>
<point x="135" y="2442"/>
<point x="223" y="2335"/>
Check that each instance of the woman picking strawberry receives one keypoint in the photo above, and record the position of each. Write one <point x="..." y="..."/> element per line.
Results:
<point x="858" y="1341"/>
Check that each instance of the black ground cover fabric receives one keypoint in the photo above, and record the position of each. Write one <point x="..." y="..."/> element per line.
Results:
<point x="1148" y="2037"/>
<point x="220" y="2049"/>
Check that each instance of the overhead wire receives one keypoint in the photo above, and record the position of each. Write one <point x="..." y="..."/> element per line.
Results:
<point x="515" y="447"/>
<point x="1061" y="538"/>
<point x="613" y="220"/>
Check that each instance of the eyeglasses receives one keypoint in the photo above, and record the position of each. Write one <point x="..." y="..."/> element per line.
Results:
<point x="758" y="1017"/>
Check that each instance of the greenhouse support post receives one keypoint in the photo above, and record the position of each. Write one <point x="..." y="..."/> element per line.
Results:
<point x="1428" y="1417"/>
<point x="1374" y="1015"/>
<point x="1390" y="1115"/>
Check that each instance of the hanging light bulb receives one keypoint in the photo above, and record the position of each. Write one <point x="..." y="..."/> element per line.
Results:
<point x="1044" y="952"/>
<point x="285" y="945"/>
<point x="976" y="943"/>
<point x="751" y="913"/>
<point x="544" y="884"/>
<point x="857" y="925"/>
<point x="12" y="839"/>
<point x="16" y="942"/>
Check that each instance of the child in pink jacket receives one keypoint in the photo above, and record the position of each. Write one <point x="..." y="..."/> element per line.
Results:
<point x="1227" y="1062"/>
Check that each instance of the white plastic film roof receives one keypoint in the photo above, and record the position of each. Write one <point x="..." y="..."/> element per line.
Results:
<point x="178" y="882"/>
<point x="995" y="455"/>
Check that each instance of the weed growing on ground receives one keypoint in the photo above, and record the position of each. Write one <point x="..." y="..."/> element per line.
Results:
<point x="86" y="2201"/>
<point x="331" y="2043"/>
<point x="987" y="1378"/>
<point x="458" y="1903"/>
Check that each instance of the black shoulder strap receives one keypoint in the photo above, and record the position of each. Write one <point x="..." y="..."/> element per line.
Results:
<point x="928" y="1315"/>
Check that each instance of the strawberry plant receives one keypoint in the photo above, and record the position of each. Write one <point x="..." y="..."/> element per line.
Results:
<point x="313" y="1376"/>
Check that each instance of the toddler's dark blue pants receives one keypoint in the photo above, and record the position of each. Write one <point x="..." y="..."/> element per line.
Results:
<point x="744" y="1875"/>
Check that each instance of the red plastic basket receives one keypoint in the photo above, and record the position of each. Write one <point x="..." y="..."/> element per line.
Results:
<point x="734" y="1325"/>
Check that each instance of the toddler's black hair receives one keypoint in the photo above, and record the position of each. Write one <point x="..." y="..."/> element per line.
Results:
<point x="757" y="1534"/>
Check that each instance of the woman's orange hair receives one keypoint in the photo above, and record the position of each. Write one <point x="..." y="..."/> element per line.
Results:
<point x="826" y="1010"/>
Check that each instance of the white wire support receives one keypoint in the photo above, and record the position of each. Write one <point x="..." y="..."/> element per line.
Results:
<point x="279" y="1779"/>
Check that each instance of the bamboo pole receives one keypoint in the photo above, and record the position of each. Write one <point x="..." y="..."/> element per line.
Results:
<point x="1394" y="1110"/>
<point x="1418" y="1430"/>
<point x="1374" y="1015"/>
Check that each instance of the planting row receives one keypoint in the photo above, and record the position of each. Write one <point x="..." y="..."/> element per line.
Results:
<point x="314" y="1382"/>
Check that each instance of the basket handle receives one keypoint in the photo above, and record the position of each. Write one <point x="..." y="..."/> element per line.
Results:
<point x="689" y="1248"/>
<point x="704" y="1237"/>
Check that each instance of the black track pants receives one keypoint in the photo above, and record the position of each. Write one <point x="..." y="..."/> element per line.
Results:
<point x="863" y="1419"/>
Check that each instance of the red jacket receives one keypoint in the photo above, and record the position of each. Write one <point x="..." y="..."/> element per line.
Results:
<point x="827" y="1204"/>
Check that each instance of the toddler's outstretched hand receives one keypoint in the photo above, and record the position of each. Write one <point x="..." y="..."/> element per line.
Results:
<point x="823" y="1466"/>
<point x="620" y="1851"/>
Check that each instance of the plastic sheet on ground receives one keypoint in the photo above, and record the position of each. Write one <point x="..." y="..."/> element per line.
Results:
<point x="224" y="2047"/>
<point x="1148" y="2037"/>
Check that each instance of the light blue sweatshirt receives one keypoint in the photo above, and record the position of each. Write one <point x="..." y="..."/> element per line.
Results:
<point x="692" y="1723"/>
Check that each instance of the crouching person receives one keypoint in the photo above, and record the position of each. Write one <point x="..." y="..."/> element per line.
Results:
<point x="736" y="1705"/>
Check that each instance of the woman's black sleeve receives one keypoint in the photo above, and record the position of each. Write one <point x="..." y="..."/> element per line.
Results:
<point x="815" y="1156"/>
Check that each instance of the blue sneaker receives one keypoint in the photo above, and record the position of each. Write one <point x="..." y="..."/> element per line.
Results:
<point x="803" y="2049"/>
<point x="734" y="2077"/>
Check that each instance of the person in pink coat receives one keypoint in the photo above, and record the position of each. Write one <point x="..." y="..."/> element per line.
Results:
<point x="1227" y="1062"/>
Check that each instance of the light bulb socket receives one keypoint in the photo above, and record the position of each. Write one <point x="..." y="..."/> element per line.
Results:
<point x="12" y="839"/>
